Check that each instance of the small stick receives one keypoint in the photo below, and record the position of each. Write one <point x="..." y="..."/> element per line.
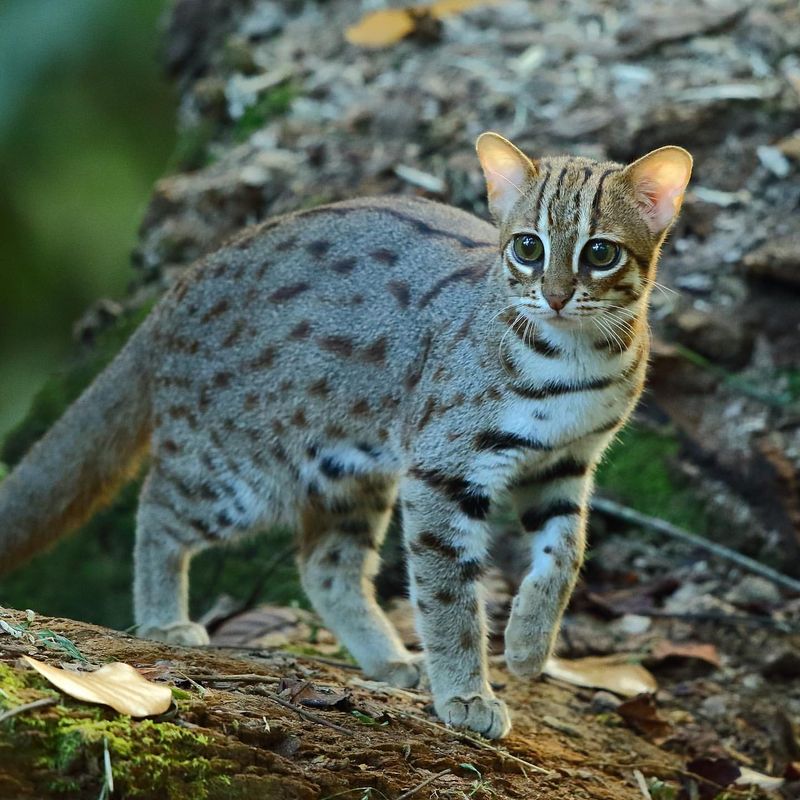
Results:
<point x="478" y="742"/>
<point x="424" y="783"/>
<point x="12" y="712"/>
<point x="237" y="678"/>
<point x="322" y="660"/>
<point x="613" y="509"/>
<point x="301" y="711"/>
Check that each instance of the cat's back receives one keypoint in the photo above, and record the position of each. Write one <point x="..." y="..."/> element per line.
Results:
<point x="342" y="289"/>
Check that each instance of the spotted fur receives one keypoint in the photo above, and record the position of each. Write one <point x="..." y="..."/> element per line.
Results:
<point x="332" y="361"/>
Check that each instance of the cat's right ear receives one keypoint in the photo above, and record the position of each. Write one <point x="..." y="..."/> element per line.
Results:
<point x="507" y="170"/>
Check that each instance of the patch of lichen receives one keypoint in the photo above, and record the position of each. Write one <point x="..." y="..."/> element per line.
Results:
<point x="640" y="471"/>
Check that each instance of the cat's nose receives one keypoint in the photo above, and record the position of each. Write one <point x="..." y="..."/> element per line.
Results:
<point x="557" y="300"/>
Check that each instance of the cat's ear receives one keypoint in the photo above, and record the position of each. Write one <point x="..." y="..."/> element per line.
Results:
<point x="507" y="171"/>
<point x="659" y="181"/>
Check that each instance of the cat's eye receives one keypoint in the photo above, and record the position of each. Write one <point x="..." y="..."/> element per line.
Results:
<point x="528" y="248"/>
<point x="601" y="254"/>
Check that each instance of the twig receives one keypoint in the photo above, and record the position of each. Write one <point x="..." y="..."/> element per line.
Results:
<point x="301" y="711"/>
<point x="613" y="509"/>
<point x="266" y="651"/>
<point x="12" y="712"/>
<point x="728" y="619"/>
<point x="322" y="660"/>
<point x="477" y="742"/>
<point x="240" y="678"/>
<point x="424" y="783"/>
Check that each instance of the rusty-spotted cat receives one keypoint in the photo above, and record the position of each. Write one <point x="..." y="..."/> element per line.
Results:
<point x="332" y="362"/>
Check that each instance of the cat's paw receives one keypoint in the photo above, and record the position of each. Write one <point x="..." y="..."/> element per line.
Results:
<point x="527" y="663"/>
<point x="485" y="715"/>
<point x="527" y="648"/>
<point x="185" y="633"/>
<point x="403" y="674"/>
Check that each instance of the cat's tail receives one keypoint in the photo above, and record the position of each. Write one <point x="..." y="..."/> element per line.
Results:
<point x="84" y="458"/>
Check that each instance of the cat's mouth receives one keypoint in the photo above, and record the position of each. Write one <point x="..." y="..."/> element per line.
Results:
<point x="563" y="318"/>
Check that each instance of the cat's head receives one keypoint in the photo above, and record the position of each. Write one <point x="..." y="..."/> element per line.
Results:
<point x="580" y="239"/>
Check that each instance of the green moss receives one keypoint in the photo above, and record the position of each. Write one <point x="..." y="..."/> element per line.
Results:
<point x="192" y="148"/>
<point x="149" y="758"/>
<point x="639" y="470"/>
<point x="271" y="104"/>
<point x="20" y="686"/>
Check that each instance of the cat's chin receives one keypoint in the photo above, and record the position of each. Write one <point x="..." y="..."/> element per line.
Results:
<point x="561" y="321"/>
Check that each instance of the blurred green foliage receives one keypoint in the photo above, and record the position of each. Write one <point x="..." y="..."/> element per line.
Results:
<point x="86" y="126"/>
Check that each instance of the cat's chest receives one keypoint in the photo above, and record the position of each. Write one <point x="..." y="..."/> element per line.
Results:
<point x="546" y="412"/>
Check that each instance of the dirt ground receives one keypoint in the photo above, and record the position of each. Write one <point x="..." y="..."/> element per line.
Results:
<point x="390" y="745"/>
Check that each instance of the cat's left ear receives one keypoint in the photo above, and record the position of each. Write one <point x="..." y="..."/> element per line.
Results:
<point x="659" y="181"/>
<point x="507" y="170"/>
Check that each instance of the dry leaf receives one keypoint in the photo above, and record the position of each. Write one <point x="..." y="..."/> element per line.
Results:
<point x="305" y="693"/>
<point x="749" y="777"/>
<point x="703" y="652"/>
<point x="446" y="8"/>
<point x="381" y="28"/>
<point x="641" y="714"/>
<point x="717" y="774"/>
<point x="390" y="25"/>
<point x="117" y="685"/>
<point x="613" y="673"/>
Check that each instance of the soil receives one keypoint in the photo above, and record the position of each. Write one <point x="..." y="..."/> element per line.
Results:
<point x="394" y="743"/>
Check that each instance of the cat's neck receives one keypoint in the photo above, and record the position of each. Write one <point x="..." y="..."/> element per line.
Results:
<point x="537" y="350"/>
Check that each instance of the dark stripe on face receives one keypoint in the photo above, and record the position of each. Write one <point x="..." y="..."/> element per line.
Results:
<point x="552" y="389"/>
<point x="469" y="497"/>
<point x="538" y="204"/>
<point x="595" y="218"/>
<point x="555" y="196"/>
<point x="534" y="519"/>
<point x="502" y="440"/>
<point x="531" y="339"/>
<point x="568" y="467"/>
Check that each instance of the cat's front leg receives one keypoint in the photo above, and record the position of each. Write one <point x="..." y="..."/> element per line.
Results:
<point x="446" y="538"/>
<point x="553" y="510"/>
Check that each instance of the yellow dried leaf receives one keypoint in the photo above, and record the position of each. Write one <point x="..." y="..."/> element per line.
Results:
<point x="117" y="685"/>
<point x="390" y="25"/>
<point x="446" y="8"/>
<point x="612" y="673"/>
<point x="381" y="28"/>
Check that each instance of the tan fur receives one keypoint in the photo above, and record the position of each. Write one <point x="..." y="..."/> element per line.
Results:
<point x="80" y="463"/>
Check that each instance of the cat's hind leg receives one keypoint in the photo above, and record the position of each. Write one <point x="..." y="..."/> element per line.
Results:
<point x="338" y="561"/>
<point x="164" y="546"/>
